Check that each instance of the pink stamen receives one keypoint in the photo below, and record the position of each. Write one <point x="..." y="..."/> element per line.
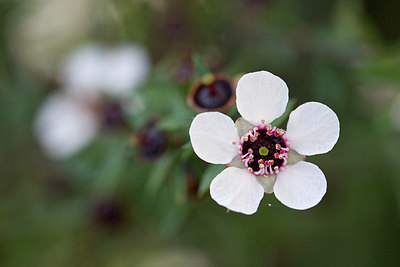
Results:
<point x="264" y="135"/>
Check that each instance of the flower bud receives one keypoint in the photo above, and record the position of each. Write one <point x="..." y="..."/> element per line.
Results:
<point x="212" y="93"/>
<point x="152" y="142"/>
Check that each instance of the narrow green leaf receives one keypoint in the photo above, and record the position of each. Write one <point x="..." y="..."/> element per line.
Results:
<point x="208" y="176"/>
<point x="179" y="185"/>
<point x="187" y="150"/>
<point x="159" y="174"/>
<point x="173" y="218"/>
<point x="285" y="115"/>
<point x="107" y="176"/>
<point x="200" y="67"/>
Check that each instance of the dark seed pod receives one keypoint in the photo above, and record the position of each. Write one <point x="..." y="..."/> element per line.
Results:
<point x="212" y="93"/>
<point x="152" y="142"/>
<point x="112" y="115"/>
<point x="106" y="212"/>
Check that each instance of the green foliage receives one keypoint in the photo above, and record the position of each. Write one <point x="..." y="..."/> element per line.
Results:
<point x="200" y="67"/>
<point x="158" y="174"/>
<point x="290" y="106"/>
<point x="210" y="173"/>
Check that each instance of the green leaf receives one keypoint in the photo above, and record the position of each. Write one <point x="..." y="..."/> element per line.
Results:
<point x="285" y="115"/>
<point x="173" y="218"/>
<point x="208" y="176"/>
<point x="200" y="67"/>
<point x="179" y="181"/>
<point x="187" y="150"/>
<point x="159" y="174"/>
<point x="111" y="169"/>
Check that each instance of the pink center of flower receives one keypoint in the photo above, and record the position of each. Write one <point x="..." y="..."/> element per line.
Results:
<point x="264" y="150"/>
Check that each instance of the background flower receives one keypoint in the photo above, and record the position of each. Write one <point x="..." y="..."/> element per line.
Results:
<point x="64" y="126"/>
<point x="117" y="71"/>
<point x="71" y="118"/>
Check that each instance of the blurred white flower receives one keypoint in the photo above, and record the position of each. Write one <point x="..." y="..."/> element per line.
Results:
<point x="94" y="68"/>
<point x="64" y="126"/>
<point x="72" y="117"/>
<point x="263" y="158"/>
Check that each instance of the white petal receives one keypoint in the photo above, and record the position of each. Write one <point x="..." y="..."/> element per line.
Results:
<point x="313" y="128"/>
<point x="238" y="190"/>
<point x="300" y="186"/>
<point x="261" y="96"/>
<point x="126" y="67"/>
<point x="63" y="126"/>
<point x="84" y="70"/>
<point x="212" y="134"/>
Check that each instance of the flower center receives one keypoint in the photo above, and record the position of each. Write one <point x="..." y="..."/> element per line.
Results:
<point x="264" y="150"/>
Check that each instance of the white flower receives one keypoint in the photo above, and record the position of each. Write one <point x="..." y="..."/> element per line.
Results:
<point x="64" y="126"/>
<point x="71" y="118"/>
<point x="117" y="71"/>
<point x="261" y="157"/>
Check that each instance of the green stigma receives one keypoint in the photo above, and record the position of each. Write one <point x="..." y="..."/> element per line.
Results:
<point x="263" y="151"/>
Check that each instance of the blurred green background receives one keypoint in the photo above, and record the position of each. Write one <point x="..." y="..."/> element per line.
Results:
<point x="108" y="206"/>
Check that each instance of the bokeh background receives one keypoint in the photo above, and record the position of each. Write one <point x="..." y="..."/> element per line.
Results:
<point x="124" y="200"/>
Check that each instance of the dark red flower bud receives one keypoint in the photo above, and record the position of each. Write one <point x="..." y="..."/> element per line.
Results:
<point x="212" y="93"/>
<point x="106" y="212"/>
<point x="112" y="115"/>
<point x="152" y="141"/>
